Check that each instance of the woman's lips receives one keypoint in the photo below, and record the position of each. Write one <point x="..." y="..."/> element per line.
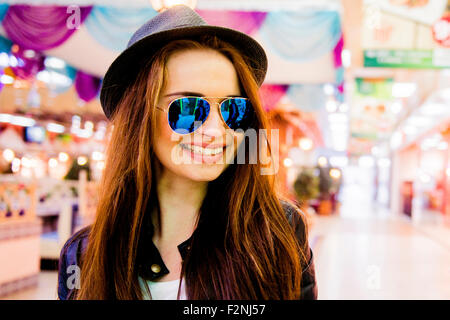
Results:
<point x="203" y="155"/>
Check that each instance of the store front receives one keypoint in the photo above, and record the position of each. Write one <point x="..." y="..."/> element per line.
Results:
<point x="421" y="173"/>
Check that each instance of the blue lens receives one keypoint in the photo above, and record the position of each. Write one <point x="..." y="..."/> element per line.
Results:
<point x="236" y="112"/>
<point x="188" y="114"/>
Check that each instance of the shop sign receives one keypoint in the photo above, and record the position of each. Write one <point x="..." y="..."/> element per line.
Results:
<point x="441" y="31"/>
<point x="408" y="59"/>
<point x="379" y="88"/>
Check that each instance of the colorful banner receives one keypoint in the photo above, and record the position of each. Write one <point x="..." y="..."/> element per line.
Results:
<point x="113" y="27"/>
<point x="299" y="35"/>
<point x="42" y="27"/>
<point x="245" y="21"/>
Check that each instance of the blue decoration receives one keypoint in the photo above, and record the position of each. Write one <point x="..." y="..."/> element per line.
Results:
<point x="307" y="97"/>
<point x="58" y="87"/>
<point x="5" y="44"/>
<point x="340" y="73"/>
<point x="339" y="97"/>
<point x="301" y="35"/>
<point x="3" y="8"/>
<point x="113" y="27"/>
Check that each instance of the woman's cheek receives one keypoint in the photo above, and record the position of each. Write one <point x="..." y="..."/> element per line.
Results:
<point x="163" y="141"/>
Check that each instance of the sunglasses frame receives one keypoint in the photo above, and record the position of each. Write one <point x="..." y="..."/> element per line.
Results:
<point x="166" y="110"/>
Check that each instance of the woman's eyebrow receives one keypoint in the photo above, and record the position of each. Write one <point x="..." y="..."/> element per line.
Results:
<point x="184" y="93"/>
<point x="194" y="94"/>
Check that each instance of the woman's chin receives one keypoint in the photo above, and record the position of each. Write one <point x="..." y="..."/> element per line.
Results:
<point x="198" y="167"/>
<point x="201" y="172"/>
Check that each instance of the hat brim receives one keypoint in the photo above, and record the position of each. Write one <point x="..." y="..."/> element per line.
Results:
<point x="125" y="68"/>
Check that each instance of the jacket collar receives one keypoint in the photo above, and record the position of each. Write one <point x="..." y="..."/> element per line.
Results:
<point x="151" y="265"/>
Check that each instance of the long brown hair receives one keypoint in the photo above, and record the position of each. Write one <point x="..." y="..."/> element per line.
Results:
<point x="243" y="246"/>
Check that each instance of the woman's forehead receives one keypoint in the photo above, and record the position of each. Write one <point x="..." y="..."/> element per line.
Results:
<point x="201" y="70"/>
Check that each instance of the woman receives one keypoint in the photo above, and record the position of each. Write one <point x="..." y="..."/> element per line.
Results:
<point x="179" y="217"/>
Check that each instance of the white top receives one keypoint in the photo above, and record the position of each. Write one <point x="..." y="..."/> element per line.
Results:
<point x="164" y="290"/>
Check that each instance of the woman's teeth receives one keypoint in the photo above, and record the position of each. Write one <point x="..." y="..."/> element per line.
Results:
<point x="203" y="151"/>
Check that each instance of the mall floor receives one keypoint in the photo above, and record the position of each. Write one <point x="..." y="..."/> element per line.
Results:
<point x="363" y="252"/>
<point x="367" y="252"/>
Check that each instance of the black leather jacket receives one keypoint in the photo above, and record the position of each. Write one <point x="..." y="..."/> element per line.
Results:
<point x="76" y="245"/>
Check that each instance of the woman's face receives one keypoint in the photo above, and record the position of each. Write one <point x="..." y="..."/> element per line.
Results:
<point x="205" y="73"/>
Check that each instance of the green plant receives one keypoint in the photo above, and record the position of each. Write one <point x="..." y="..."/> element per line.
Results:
<point x="306" y="185"/>
<point x="75" y="169"/>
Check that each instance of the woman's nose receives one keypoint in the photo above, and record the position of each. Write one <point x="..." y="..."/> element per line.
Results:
<point x="214" y="125"/>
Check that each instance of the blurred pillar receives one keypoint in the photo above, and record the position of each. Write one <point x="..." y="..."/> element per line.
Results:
<point x="352" y="21"/>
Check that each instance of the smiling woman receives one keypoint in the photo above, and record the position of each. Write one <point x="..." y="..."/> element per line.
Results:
<point x="177" y="217"/>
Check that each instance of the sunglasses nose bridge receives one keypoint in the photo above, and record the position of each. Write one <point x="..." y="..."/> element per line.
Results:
<point x="214" y="124"/>
<point x="216" y="103"/>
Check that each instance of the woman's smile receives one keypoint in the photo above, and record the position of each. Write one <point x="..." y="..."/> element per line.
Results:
<point x="208" y="155"/>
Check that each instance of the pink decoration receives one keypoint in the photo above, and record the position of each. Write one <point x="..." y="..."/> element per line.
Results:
<point x="271" y="95"/>
<point x="87" y="86"/>
<point x="338" y="53"/>
<point x="42" y="27"/>
<point x="245" y="21"/>
<point x="28" y="62"/>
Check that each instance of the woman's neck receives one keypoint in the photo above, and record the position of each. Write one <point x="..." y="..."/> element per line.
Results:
<point x="180" y="200"/>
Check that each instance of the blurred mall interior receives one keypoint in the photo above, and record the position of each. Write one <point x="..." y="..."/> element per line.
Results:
<point x="360" y="93"/>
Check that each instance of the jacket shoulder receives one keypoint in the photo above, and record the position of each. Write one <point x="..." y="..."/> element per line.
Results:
<point x="76" y="243"/>
<point x="69" y="261"/>
<point x="297" y="219"/>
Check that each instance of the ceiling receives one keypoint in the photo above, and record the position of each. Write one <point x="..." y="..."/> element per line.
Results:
<point x="261" y="5"/>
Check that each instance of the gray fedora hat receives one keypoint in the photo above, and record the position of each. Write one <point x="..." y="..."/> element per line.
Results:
<point x="178" y="22"/>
